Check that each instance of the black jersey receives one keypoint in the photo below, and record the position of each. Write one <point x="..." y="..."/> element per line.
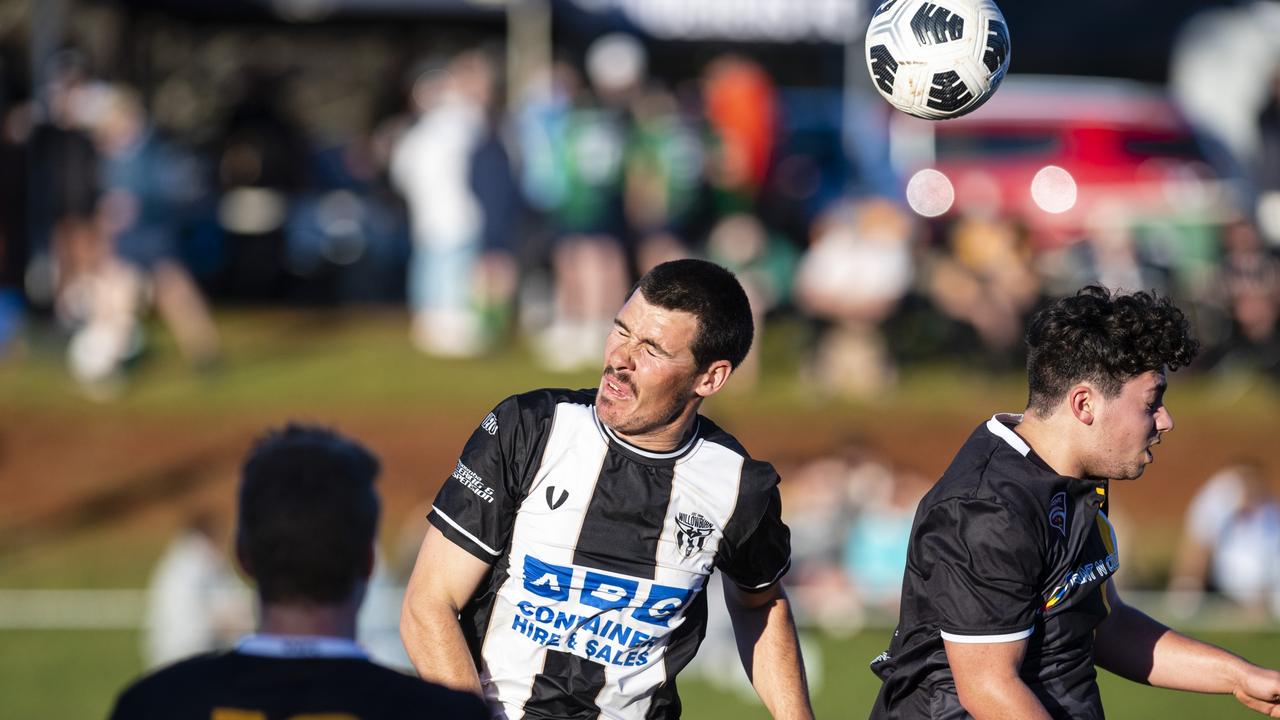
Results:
<point x="276" y="679"/>
<point x="1002" y="548"/>
<point x="600" y="553"/>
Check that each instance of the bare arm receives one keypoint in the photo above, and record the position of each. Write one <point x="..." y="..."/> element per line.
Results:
<point x="1134" y="646"/>
<point x="988" y="683"/>
<point x="766" y="635"/>
<point x="444" y="578"/>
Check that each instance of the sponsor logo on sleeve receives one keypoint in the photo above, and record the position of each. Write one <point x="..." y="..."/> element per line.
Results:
<point x="490" y="424"/>
<point x="1090" y="572"/>
<point x="472" y="482"/>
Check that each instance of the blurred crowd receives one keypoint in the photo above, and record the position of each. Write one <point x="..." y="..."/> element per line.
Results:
<point x="501" y="214"/>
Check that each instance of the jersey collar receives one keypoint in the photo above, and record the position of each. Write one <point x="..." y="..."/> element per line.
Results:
<point x="300" y="646"/>
<point x="684" y="449"/>
<point x="999" y="425"/>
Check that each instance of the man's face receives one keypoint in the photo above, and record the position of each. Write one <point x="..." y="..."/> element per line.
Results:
<point x="1130" y="424"/>
<point x="649" y="370"/>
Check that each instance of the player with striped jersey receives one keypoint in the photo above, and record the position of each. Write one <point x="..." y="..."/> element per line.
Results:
<point x="564" y="569"/>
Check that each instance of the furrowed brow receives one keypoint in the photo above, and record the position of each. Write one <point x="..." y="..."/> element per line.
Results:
<point x="644" y="341"/>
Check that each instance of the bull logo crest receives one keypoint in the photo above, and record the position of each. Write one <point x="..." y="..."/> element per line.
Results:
<point x="693" y="532"/>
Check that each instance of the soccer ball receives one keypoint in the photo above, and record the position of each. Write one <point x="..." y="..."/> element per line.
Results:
<point x="937" y="59"/>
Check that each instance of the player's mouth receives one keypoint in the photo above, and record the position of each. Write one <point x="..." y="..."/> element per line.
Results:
<point x="615" y="388"/>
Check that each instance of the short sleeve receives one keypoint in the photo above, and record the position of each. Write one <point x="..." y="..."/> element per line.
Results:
<point x="980" y="565"/>
<point x="476" y="505"/>
<point x="764" y="555"/>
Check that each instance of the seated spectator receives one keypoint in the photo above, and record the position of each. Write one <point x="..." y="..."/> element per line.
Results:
<point x="1231" y="540"/>
<point x="308" y="521"/>
<point x="195" y="602"/>
<point x="853" y="276"/>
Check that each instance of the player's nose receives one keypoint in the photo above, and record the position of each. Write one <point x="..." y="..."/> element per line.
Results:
<point x="618" y="355"/>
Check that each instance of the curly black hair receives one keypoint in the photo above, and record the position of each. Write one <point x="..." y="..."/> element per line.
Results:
<point x="308" y="514"/>
<point x="1105" y="338"/>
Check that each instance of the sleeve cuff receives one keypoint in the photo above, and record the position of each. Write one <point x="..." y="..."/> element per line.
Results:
<point x="987" y="639"/>
<point x="757" y="587"/>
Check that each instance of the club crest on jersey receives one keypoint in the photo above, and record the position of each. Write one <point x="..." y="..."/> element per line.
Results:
<point x="693" y="532"/>
<point x="1058" y="513"/>
<point x="490" y="424"/>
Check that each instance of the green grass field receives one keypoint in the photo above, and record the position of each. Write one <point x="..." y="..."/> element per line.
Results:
<point x="71" y="675"/>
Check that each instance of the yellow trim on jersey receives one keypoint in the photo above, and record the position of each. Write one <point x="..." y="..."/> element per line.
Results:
<point x="1108" y="534"/>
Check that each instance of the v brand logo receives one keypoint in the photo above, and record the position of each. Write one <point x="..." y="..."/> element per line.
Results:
<point x="552" y="501"/>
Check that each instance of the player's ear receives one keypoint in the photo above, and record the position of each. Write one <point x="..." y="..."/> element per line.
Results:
<point x="1082" y="399"/>
<point x="710" y="381"/>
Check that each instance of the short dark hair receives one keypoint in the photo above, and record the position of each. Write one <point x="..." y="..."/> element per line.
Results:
<point x="712" y="295"/>
<point x="1105" y="338"/>
<point x="308" y="514"/>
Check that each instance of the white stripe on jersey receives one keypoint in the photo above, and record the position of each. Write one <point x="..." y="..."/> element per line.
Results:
<point x="568" y="602"/>
<point x="550" y="535"/>
<point x="699" y="488"/>
<point x="463" y="530"/>
<point x="981" y="639"/>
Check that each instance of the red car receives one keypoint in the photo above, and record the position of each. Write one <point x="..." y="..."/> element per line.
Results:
<point x="1061" y="153"/>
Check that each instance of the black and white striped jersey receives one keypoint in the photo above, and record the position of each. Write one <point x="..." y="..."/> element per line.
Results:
<point x="1002" y="548"/>
<point x="600" y="552"/>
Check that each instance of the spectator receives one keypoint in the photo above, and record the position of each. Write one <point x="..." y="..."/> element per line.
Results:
<point x="852" y="277"/>
<point x="194" y="600"/>
<point x="431" y="166"/>
<point x="147" y="184"/>
<point x="1249" y="289"/>
<point x="1231" y="540"/>
<point x="308" y="522"/>
<point x="1267" y="164"/>
<point x="590" y="253"/>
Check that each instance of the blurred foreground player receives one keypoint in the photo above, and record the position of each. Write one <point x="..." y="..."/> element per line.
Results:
<point x="1008" y="601"/>
<point x="577" y="533"/>
<point x="308" y="518"/>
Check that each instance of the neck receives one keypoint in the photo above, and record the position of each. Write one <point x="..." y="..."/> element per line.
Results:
<point x="309" y="619"/>
<point x="669" y="436"/>
<point x="1051" y="442"/>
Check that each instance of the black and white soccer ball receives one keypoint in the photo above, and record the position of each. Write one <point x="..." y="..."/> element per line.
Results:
<point x="937" y="59"/>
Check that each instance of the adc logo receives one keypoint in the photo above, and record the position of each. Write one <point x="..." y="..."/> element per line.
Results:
<point x="1058" y="513"/>
<point x="607" y="592"/>
<point x="693" y="532"/>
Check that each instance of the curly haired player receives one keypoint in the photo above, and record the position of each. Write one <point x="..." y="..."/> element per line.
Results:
<point x="1008" y="601"/>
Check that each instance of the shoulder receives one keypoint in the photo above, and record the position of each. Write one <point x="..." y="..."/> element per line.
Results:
<point x="173" y="681"/>
<point x="756" y="474"/>
<point x="988" y="471"/>
<point x="543" y="401"/>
